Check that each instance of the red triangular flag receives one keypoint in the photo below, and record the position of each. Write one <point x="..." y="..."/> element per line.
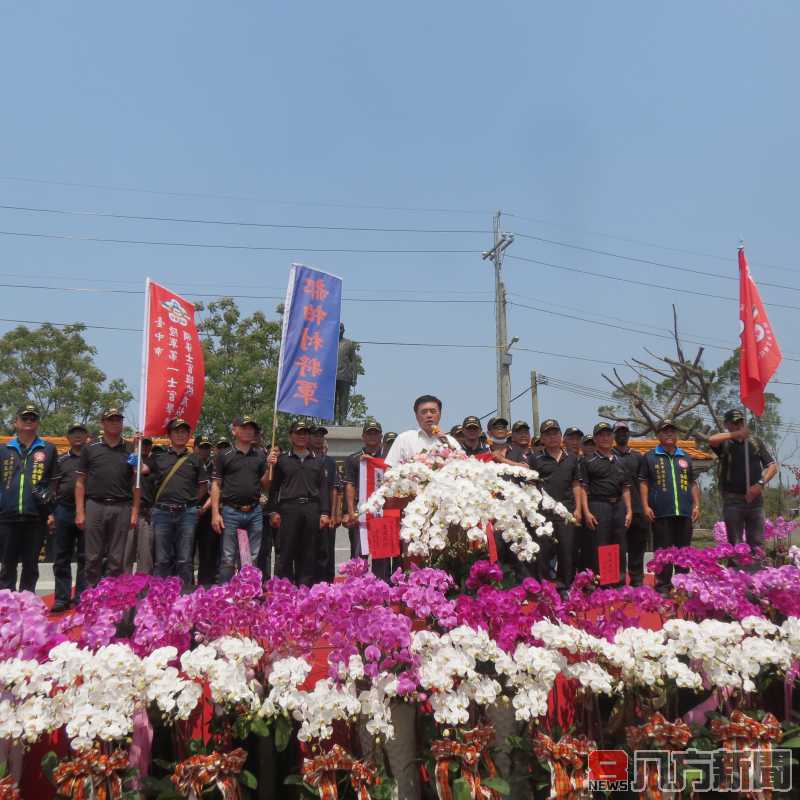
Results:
<point x="760" y="355"/>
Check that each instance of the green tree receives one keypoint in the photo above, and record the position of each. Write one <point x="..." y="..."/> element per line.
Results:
<point x="241" y="361"/>
<point x="54" y="368"/>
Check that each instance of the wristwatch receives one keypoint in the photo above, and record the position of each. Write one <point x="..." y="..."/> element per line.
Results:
<point x="761" y="482"/>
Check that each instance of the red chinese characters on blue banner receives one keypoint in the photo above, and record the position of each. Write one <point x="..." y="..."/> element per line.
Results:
<point x="310" y="343"/>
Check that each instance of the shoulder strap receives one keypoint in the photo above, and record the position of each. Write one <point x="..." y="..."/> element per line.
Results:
<point x="168" y="477"/>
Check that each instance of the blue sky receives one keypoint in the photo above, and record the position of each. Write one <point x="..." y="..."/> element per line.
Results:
<point x="593" y="124"/>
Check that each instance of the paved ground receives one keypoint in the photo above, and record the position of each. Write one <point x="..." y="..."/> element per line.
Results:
<point x="46" y="584"/>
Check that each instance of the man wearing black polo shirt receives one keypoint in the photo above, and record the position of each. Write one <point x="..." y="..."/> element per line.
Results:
<point x="572" y="441"/>
<point x="326" y="557"/>
<point x="106" y="501"/>
<point x="69" y="537"/>
<point x="371" y="439"/>
<point x="472" y="430"/>
<point x="239" y="474"/>
<point x="27" y="464"/>
<point x="561" y="480"/>
<point x="742" y="500"/>
<point x="180" y="480"/>
<point x="521" y="437"/>
<point x="606" y="496"/>
<point x="639" y="529"/>
<point x="300" y="501"/>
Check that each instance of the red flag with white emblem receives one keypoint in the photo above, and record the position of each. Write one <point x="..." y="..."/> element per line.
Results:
<point x="760" y="354"/>
<point x="173" y="373"/>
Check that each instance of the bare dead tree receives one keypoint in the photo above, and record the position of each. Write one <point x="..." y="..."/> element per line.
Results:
<point x="687" y="399"/>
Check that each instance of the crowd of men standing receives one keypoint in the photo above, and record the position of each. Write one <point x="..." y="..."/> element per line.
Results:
<point x="223" y="502"/>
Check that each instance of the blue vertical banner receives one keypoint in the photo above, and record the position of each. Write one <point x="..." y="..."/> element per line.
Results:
<point x="309" y="343"/>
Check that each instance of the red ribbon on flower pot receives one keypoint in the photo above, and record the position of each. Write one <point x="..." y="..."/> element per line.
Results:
<point x="195" y="774"/>
<point x="567" y="759"/>
<point x="469" y="751"/>
<point x="9" y="789"/>
<point x="740" y="732"/>
<point x="92" y="774"/>
<point x="657" y="733"/>
<point x="320" y="772"/>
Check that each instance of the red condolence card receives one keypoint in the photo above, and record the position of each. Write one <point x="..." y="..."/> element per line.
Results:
<point x="608" y="561"/>
<point x="384" y="537"/>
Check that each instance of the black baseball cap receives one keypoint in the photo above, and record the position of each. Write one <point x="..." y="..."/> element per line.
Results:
<point x="146" y="440"/>
<point x="456" y="429"/>
<point x="497" y="422"/>
<point x="240" y="422"/>
<point x="390" y="436"/>
<point x="588" y="439"/>
<point x="28" y="408"/>
<point x="573" y="431"/>
<point x="299" y="425"/>
<point x="600" y="427"/>
<point x="110" y="413"/>
<point x="372" y="425"/>
<point x="520" y="425"/>
<point x="734" y="415"/>
<point x="621" y="425"/>
<point x="320" y="430"/>
<point x="222" y="443"/>
<point x="549" y="425"/>
<point x="77" y="426"/>
<point x="472" y="422"/>
<point x="664" y="424"/>
<point x="201" y="440"/>
<point x="178" y="422"/>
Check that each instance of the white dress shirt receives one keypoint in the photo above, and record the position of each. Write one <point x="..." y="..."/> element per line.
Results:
<point x="409" y="443"/>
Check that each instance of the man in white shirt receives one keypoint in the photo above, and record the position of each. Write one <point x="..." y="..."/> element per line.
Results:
<point x="428" y="411"/>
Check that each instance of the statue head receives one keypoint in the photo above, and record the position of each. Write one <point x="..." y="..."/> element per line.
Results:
<point x="341" y="330"/>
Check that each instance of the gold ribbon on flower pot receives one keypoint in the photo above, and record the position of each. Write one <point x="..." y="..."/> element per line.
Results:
<point x="657" y="733"/>
<point x="740" y="732"/>
<point x="92" y="774"/>
<point x="320" y="772"/>
<point x="195" y="774"/>
<point x="9" y="789"/>
<point x="469" y="751"/>
<point x="567" y="761"/>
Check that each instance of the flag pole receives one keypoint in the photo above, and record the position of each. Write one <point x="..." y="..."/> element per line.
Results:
<point x="287" y="305"/>
<point x="143" y="381"/>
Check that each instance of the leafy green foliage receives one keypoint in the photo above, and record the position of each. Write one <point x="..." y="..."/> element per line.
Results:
<point x="283" y="733"/>
<point x="54" y="368"/>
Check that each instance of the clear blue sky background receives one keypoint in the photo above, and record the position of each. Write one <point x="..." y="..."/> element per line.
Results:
<point x="596" y="124"/>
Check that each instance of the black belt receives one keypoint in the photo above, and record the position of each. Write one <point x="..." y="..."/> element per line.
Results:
<point x="301" y="500"/>
<point x="174" y="507"/>
<point x="110" y="501"/>
<point x="611" y="500"/>
<point x="245" y="508"/>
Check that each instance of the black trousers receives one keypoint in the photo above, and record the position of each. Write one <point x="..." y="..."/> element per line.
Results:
<point x="326" y="555"/>
<point x="69" y="541"/>
<point x="207" y="543"/>
<point x="299" y="536"/>
<point x="637" y="544"/>
<point x="568" y="539"/>
<point x="269" y="537"/>
<point x="21" y="540"/>
<point x="384" y="567"/>
<point x="670" y="532"/>
<point x="610" y="530"/>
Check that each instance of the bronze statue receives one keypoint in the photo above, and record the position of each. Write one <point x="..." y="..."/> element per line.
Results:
<point x="346" y="376"/>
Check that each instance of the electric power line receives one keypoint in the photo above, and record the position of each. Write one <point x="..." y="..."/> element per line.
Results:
<point x="646" y="284"/>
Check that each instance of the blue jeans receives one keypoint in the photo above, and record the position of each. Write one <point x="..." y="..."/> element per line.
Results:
<point x="173" y="532"/>
<point x="253" y="523"/>
<point x="69" y="540"/>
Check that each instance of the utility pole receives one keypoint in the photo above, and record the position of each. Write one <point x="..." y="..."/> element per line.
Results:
<point x="501" y="243"/>
<point x="535" y="403"/>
